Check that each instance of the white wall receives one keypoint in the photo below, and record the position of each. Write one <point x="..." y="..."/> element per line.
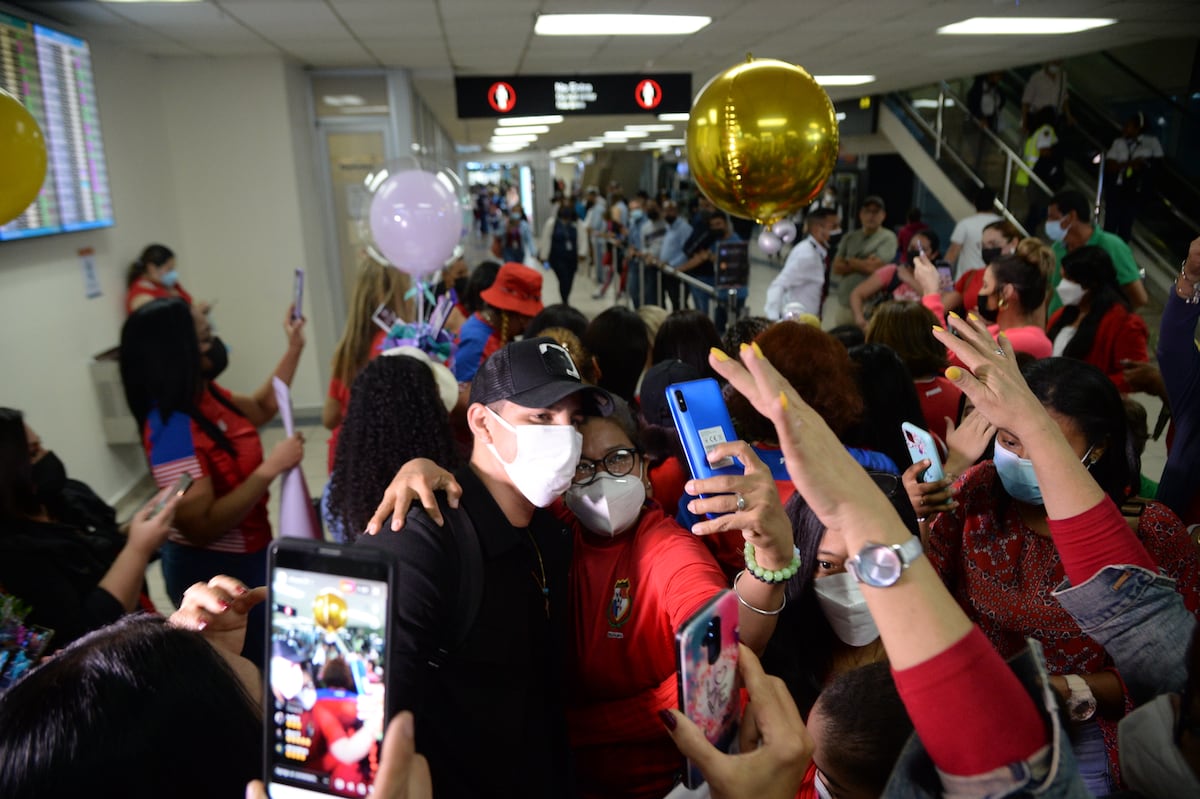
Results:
<point x="214" y="159"/>
<point x="49" y="330"/>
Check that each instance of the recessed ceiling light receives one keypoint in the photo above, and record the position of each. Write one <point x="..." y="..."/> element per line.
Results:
<point x="549" y="119"/>
<point x="618" y="24"/>
<point x="673" y="117"/>
<point x="521" y="130"/>
<point x="513" y="139"/>
<point x="651" y="128"/>
<point x="339" y="100"/>
<point x="587" y="145"/>
<point x="628" y="134"/>
<point x="843" y="80"/>
<point x="505" y="148"/>
<point x="1024" y="26"/>
<point x="671" y="142"/>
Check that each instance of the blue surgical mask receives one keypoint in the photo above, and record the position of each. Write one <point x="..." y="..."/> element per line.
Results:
<point x="1017" y="477"/>
<point x="170" y="279"/>
<point x="1056" y="230"/>
<point x="637" y="214"/>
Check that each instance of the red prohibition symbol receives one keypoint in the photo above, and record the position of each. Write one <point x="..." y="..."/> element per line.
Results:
<point x="648" y="94"/>
<point x="501" y="97"/>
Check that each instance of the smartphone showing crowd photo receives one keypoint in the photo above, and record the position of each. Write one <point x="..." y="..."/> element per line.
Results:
<point x="326" y="683"/>
<point x="706" y="658"/>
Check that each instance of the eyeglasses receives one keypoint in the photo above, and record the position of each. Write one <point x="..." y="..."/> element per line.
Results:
<point x="618" y="462"/>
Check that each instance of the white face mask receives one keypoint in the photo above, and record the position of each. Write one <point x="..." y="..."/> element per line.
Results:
<point x="545" y="460"/>
<point x="609" y="505"/>
<point x="1056" y="230"/>
<point x="1151" y="763"/>
<point x="1069" y="292"/>
<point x="845" y="609"/>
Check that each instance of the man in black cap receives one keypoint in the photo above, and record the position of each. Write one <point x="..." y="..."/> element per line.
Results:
<point x="859" y="254"/>
<point x="480" y="608"/>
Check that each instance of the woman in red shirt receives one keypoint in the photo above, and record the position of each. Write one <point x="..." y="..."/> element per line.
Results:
<point x="153" y="277"/>
<point x="996" y="556"/>
<point x="999" y="238"/>
<point x="169" y="364"/>
<point x="376" y="285"/>
<point x="1095" y="323"/>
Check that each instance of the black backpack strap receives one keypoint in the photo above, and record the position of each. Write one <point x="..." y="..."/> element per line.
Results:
<point x="469" y="589"/>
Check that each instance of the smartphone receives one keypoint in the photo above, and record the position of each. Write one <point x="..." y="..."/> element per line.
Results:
<point x="921" y="446"/>
<point x="178" y="490"/>
<point x="298" y="296"/>
<point x="706" y="660"/>
<point x="327" y="655"/>
<point x="773" y="458"/>
<point x="703" y="422"/>
<point x="945" y="278"/>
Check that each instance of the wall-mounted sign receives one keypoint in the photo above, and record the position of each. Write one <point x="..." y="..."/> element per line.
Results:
<point x="534" y="95"/>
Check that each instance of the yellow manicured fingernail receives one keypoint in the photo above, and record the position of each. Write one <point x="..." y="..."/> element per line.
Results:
<point x="718" y="353"/>
<point x="742" y="349"/>
<point x="956" y="316"/>
<point x="783" y="400"/>
<point x="757" y="351"/>
<point x="939" y="329"/>
<point x="973" y="317"/>
<point x="954" y="373"/>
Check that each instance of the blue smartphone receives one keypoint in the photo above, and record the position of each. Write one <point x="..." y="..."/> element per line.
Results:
<point x="921" y="446"/>
<point x="703" y="422"/>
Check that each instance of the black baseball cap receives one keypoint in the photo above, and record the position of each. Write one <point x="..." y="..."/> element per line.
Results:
<point x="874" y="199"/>
<point x="653" y="397"/>
<point x="535" y="373"/>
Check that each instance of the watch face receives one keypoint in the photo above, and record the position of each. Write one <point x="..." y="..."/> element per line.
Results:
<point x="879" y="566"/>
<point x="1082" y="709"/>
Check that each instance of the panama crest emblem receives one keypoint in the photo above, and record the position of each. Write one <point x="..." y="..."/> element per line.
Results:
<point x="622" y="601"/>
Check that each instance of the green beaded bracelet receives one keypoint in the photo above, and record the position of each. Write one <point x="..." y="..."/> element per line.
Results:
<point x="770" y="576"/>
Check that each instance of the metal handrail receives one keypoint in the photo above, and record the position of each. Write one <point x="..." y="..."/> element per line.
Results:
<point x="1001" y="204"/>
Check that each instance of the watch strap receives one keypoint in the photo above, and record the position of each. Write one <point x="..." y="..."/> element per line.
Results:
<point x="1079" y="687"/>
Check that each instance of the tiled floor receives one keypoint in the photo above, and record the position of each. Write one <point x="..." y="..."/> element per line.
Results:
<point x="761" y="274"/>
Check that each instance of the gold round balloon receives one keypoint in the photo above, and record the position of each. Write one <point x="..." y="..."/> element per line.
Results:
<point x="329" y="610"/>
<point x="762" y="139"/>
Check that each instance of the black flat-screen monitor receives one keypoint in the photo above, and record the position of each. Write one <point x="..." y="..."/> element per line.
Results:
<point x="51" y="74"/>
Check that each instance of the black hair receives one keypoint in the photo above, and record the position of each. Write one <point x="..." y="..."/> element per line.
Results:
<point x="619" y="341"/>
<point x="821" y="213"/>
<point x="743" y="331"/>
<point x="153" y="255"/>
<point x="935" y="241"/>
<point x="801" y="650"/>
<point x="481" y="279"/>
<point x="557" y="315"/>
<point x="687" y="335"/>
<point x="102" y="719"/>
<point x="18" y="494"/>
<point x="1085" y="395"/>
<point x="985" y="199"/>
<point x="1092" y="268"/>
<point x="1026" y="278"/>
<point x="160" y="367"/>
<point x="1071" y="200"/>
<point x="395" y="415"/>
<point x="849" y="335"/>
<point x="336" y="674"/>
<point x="890" y="399"/>
<point x="862" y="747"/>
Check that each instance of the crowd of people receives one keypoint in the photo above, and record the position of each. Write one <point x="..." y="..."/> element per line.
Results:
<point x="1022" y="625"/>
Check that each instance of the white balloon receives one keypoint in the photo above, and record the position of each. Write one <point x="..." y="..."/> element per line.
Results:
<point x="769" y="243"/>
<point x="785" y="229"/>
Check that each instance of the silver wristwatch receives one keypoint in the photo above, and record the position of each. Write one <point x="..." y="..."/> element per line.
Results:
<point x="1081" y="705"/>
<point x="880" y="565"/>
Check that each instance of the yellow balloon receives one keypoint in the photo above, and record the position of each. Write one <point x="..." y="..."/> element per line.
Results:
<point x="22" y="158"/>
<point x="762" y="139"/>
<point x="329" y="610"/>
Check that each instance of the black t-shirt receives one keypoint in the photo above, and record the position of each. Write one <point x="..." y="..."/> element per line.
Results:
<point x="489" y="714"/>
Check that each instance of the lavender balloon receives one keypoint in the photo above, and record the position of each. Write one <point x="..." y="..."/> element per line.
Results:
<point x="416" y="219"/>
<point x="785" y="229"/>
<point x="768" y="242"/>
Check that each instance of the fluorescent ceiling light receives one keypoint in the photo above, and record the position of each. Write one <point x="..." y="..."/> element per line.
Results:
<point x="843" y="80"/>
<point x="1024" y="26"/>
<point x="549" y="119"/>
<point x="628" y="134"/>
<point x="841" y="116"/>
<point x="673" y="117"/>
<point x="513" y="139"/>
<point x="611" y="137"/>
<point x="618" y="24"/>
<point x="651" y="128"/>
<point x="339" y="100"/>
<point x="587" y="145"/>
<point x="927" y="103"/>
<point x="671" y="142"/>
<point x="505" y="148"/>
<point x="521" y="131"/>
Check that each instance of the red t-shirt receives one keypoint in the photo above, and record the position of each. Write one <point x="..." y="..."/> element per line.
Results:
<point x="341" y="392"/>
<point x="968" y="285"/>
<point x="667" y="479"/>
<point x="1002" y="573"/>
<point x="148" y="288"/>
<point x="335" y="717"/>
<point x="629" y="594"/>
<point x="939" y="400"/>
<point x="177" y="444"/>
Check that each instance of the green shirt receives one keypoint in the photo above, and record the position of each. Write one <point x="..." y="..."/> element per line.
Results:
<point x="857" y="244"/>
<point x="1118" y="251"/>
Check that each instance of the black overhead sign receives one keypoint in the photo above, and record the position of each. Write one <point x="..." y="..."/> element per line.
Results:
<point x="535" y="95"/>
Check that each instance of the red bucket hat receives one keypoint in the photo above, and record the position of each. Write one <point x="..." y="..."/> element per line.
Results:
<point x="517" y="288"/>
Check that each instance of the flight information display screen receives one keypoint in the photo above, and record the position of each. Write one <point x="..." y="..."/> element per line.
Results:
<point x="51" y="74"/>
